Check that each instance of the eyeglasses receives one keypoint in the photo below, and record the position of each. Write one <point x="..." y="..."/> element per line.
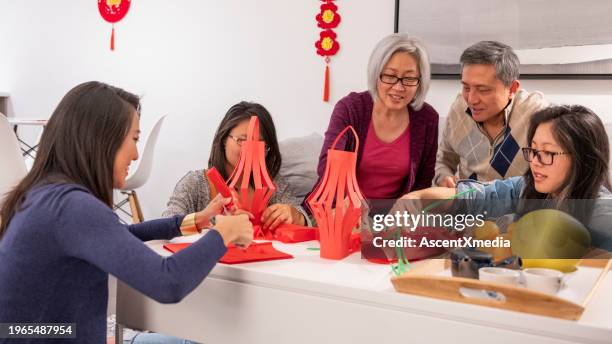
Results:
<point x="406" y="81"/>
<point x="544" y="157"/>
<point x="240" y="140"/>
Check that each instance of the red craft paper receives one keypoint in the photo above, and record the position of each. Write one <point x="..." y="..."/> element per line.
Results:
<point x="355" y="244"/>
<point x="176" y="247"/>
<point x="219" y="183"/>
<point x="251" y="171"/>
<point x="336" y="201"/>
<point x="256" y="252"/>
<point x="289" y="233"/>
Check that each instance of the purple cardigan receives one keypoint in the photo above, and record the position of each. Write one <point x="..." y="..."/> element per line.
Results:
<point x="356" y="110"/>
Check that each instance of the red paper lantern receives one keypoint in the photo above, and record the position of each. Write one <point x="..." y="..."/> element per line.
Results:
<point x="113" y="11"/>
<point x="327" y="45"/>
<point x="336" y="202"/>
<point x="251" y="171"/>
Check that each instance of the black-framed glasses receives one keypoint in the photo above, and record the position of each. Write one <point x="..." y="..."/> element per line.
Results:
<point x="240" y="140"/>
<point x="406" y="81"/>
<point x="544" y="157"/>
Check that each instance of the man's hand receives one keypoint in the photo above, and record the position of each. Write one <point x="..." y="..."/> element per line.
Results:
<point x="449" y="182"/>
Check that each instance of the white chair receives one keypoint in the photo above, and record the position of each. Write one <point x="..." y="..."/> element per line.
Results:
<point x="13" y="166"/>
<point x="140" y="174"/>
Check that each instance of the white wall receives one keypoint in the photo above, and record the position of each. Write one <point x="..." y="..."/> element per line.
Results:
<point x="193" y="59"/>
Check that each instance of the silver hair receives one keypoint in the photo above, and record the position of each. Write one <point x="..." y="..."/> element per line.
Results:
<point x="400" y="42"/>
<point x="494" y="53"/>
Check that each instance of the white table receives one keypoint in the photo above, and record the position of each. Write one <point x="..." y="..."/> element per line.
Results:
<point x="14" y="121"/>
<point x="310" y="300"/>
<point x="27" y="149"/>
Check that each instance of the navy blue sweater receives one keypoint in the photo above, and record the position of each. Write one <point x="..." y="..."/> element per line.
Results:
<point x="59" y="248"/>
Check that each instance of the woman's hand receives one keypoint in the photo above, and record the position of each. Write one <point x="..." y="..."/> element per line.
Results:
<point x="277" y="214"/>
<point x="236" y="229"/>
<point x="414" y="202"/>
<point x="215" y="207"/>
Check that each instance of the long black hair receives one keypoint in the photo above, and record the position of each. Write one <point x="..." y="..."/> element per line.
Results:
<point x="234" y="116"/>
<point x="79" y="144"/>
<point x="580" y="132"/>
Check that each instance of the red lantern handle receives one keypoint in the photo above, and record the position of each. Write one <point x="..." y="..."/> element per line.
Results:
<point x="253" y="131"/>
<point x="333" y="146"/>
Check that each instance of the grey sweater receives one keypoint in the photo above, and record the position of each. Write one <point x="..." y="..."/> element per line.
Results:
<point x="467" y="150"/>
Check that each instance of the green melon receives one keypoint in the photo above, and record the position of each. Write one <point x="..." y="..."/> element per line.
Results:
<point x="550" y="238"/>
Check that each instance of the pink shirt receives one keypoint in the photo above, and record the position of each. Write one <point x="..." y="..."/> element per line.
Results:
<point x="384" y="166"/>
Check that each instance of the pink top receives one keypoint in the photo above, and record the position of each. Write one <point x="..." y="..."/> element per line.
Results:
<point x="384" y="166"/>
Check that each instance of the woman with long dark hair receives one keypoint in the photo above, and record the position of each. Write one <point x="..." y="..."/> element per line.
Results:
<point x="193" y="192"/>
<point x="568" y="160"/>
<point x="59" y="237"/>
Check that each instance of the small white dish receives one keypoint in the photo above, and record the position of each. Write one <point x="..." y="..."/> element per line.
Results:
<point x="547" y="281"/>
<point x="499" y="275"/>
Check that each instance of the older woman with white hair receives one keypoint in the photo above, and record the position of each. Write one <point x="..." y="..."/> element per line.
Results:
<point x="397" y="129"/>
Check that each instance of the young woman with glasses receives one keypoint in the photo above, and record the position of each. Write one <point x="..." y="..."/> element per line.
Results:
<point x="397" y="129"/>
<point x="568" y="160"/>
<point x="193" y="193"/>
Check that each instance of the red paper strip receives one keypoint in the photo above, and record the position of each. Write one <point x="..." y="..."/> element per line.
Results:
<point x="219" y="183"/>
<point x="251" y="171"/>
<point x="256" y="252"/>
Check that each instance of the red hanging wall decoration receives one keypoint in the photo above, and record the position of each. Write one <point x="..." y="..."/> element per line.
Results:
<point x="327" y="45"/>
<point x="113" y="11"/>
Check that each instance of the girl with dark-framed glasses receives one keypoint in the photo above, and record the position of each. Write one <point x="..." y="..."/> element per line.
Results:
<point x="568" y="159"/>
<point x="193" y="192"/>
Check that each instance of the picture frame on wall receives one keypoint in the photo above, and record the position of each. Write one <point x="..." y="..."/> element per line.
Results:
<point x="554" y="39"/>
